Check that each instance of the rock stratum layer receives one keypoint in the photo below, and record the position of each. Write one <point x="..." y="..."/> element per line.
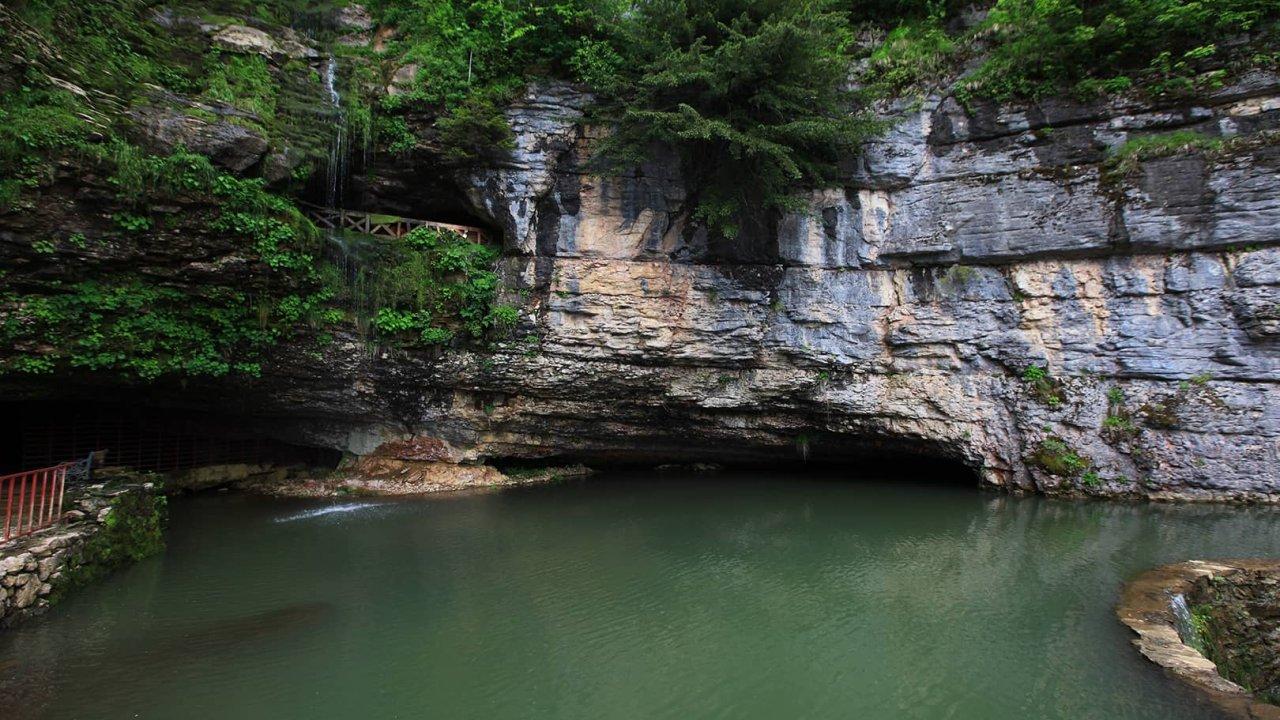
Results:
<point x="899" y="315"/>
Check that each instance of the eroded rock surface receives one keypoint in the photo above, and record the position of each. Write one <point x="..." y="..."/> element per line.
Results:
<point x="899" y="314"/>
<point x="902" y="310"/>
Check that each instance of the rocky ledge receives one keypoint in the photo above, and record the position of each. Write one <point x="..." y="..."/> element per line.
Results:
<point x="1230" y="609"/>
<point x="1001" y="286"/>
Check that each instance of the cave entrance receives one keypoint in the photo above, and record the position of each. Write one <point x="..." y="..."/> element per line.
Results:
<point x="38" y="435"/>
<point x="421" y="191"/>
<point x="819" y="455"/>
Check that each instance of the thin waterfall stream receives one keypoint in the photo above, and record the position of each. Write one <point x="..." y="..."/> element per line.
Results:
<point x="351" y="251"/>
<point x="336" y="172"/>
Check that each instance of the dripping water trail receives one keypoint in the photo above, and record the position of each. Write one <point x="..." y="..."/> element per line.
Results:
<point x="336" y="172"/>
<point x="352" y="253"/>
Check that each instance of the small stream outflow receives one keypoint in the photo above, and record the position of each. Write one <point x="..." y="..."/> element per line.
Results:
<point x="327" y="510"/>
<point x="1184" y="623"/>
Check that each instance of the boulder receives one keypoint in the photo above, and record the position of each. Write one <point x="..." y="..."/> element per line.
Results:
<point x="229" y="145"/>
<point x="279" y="165"/>
<point x="403" y="78"/>
<point x="353" y="18"/>
<point x="242" y="39"/>
<point x="247" y="40"/>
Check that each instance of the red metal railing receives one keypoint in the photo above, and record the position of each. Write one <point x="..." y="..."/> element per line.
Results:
<point x="32" y="500"/>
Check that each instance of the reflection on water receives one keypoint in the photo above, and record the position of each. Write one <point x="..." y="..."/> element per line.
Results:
<point x="628" y="597"/>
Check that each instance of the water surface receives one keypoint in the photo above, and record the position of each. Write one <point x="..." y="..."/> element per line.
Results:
<point x="642" y="596"/>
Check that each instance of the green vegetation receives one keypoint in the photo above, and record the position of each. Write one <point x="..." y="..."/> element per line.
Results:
<point x="1125" y="158"/>
<point x="1028" y="49"/>
<point x="1055" y="457"/>
<point x="1044" y="388"/>
<point x="734" y="88"/>
<point x="244" y="81"/>
<point x="915" y="53"/>
<point x="432" y="285"/>
<point x="740" y="90"/>
<point x="473" y="57"/>
<point x="957" y="277"/>
<point x="132" y="531"/>
<point x="1039" y="47"/>
<point x="132" y="327"/>
<point x="135" y="326"/>
<point x="1118" y="424"/>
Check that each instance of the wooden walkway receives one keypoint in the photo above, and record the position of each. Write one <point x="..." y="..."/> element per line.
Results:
<point x="384" y="225"/>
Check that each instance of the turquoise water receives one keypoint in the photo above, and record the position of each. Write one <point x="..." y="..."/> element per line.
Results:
<point x="639" y="596"/>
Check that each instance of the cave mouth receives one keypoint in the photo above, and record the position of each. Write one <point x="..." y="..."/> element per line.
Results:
<point x="141" y="437"/>
<point x="825" y="456"/>
<point x="377" y="186"/>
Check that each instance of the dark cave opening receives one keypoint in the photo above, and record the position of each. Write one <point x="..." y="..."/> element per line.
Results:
<point x="140" y="437"/>
<point x="381" y="186"/>
<point x="827" y="455"/>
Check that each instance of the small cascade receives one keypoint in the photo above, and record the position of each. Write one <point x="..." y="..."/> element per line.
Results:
<point x="1184" y="623"/>
<point x="354" y="254"/>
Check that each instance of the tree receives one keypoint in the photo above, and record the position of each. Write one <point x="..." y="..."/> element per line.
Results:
<point x="752" y="94"/>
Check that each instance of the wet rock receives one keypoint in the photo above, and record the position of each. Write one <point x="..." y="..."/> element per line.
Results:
<point x="229" y="145"/>
<point x="26" y="591"/>
<point x="279" y="166"/>
<point x="248" y="40"/>
<point x="1237" y="605"/>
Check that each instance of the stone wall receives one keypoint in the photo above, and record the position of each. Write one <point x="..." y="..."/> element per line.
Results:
<point x="902" y="310"/>
<point x="36" y="570"/>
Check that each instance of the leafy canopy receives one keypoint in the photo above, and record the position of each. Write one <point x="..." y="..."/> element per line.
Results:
<point x="1026" y="49"/>
<point x="751" y="95"/>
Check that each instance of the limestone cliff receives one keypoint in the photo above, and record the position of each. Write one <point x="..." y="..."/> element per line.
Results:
<point x="903" y="310"/>
<point x="989" y="285"/>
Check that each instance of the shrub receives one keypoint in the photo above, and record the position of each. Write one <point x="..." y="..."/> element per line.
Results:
<point x="1043" y="46"/>
<point x="433" y="284"/>
<point x="1057" y="458"/>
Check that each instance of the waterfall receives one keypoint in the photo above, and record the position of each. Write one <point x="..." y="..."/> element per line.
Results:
<point x="350" y="253"/>
<point x="336" y="172"/>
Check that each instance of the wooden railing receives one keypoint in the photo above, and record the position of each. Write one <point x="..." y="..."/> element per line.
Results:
<point x="384" y="225"/>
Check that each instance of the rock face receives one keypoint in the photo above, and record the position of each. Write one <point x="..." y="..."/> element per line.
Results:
<point x="902" y="311"/>
<point x="1171" y="608"/>
<point x="985" y="287"/>
<point x="229" y="145"/>
<point x="1242" y="613"/>
<point x="243" y="39"/>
